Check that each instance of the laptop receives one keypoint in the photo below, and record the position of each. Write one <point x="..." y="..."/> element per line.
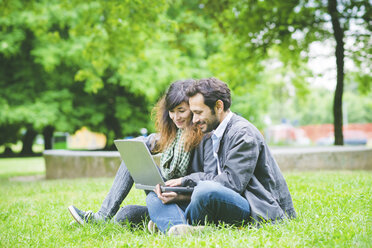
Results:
<point x="142" y="167"/>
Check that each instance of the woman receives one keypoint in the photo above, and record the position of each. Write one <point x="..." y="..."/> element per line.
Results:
<point x="176" y="138"/>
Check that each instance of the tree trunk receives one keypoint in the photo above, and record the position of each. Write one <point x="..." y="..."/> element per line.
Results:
<point x="48" y="136"/>
<point x="111" y="121"/>
<point x="28" y="141"/>
<point x="338" y="33"/>
<point x="113" y="132"/>
<point x="8" y="150"/>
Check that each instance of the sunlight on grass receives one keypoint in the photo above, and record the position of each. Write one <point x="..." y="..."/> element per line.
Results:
<point x="334" y="210"/>
<point x="21" y="166"/>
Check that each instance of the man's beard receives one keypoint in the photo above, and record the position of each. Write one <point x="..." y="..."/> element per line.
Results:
<point x="212" y="126"/>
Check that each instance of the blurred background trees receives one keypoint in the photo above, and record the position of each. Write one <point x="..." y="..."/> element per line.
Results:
<point x="104" y="64"/>
<point x="289" y="27"/>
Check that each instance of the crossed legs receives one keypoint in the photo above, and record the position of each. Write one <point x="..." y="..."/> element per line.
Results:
<point x="210" y="201"/>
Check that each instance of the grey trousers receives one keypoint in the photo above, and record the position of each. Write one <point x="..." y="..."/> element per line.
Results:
<point x="120" y="188"/>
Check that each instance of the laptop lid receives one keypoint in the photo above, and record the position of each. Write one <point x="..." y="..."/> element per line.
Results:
<point x="139" y="162"/>
<point x="142" y="167"/>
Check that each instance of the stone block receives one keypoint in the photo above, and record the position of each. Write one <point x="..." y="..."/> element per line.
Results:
<point x="324" y="158"/>
<point x="75" y="164"/>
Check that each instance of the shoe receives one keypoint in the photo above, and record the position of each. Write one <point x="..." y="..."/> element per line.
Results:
<point x="152" y="227"/>
<point x="74" y="224"/>
<point x="80" y="216"/>
<point x="183" y="229"/>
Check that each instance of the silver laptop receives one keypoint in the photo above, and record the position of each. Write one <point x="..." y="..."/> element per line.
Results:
<point x="142" y="167"/>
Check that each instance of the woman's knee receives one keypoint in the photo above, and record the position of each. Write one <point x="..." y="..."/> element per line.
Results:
<point x="133" y="214"/>
<point x="151" y="197"/>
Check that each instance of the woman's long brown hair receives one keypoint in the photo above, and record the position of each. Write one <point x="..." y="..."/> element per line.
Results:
<point x="164" y="125"/>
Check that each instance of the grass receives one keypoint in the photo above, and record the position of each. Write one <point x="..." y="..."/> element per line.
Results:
<point x="11" y="167"/>
<point x="334" y="210"/>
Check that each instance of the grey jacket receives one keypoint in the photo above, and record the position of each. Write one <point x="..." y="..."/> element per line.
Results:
<point x="247" y="168"/>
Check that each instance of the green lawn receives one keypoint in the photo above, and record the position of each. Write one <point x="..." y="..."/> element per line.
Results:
<point x="334" y="210"/>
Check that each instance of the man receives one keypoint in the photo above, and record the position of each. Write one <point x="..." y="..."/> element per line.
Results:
<point x="240" y="182"/>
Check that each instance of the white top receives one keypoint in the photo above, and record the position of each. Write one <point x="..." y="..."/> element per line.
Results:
<point x="217" y="136"/>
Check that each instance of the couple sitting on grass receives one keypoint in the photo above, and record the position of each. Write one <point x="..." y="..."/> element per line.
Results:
<point x="204" y="145"/>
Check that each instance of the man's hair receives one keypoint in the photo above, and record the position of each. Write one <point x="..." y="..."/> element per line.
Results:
<point x="212" y="90"/>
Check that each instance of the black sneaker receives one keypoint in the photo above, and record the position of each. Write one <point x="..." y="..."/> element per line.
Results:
<point x="80" y="216"/>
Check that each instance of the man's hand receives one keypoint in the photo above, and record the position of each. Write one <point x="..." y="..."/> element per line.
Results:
<point x="174" y="182"/>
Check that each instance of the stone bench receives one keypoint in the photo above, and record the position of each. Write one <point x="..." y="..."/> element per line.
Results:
<point x="76" y="164"/>
<point x="324" y="158"/>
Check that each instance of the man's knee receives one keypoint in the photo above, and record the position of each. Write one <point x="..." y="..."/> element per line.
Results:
<point x="205" y="191"/>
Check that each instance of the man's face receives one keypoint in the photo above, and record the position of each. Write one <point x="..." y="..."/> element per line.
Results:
<point x="203" y="116"/>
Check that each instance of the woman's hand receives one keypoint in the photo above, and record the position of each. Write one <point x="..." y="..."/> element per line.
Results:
<point x="170" y="197"/>
<point x="165" y="197"/>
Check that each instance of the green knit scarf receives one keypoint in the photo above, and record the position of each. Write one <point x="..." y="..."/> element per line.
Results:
<point x="175" y="160"/>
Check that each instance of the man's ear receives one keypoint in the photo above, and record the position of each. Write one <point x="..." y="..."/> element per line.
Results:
<point x="219" y="106"/>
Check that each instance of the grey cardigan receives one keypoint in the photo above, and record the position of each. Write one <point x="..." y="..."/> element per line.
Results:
<point x="247" y="168"/>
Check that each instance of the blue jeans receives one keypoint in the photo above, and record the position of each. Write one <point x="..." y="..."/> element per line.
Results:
<point x="120" y="188"/>
<point x="210" y="202"/>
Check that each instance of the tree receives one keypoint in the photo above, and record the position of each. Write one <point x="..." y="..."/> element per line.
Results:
<point x="112" y="111"/>
<point x="101" y="64"/>
<point x="291" y="26"/>
<point x="32" y="100"/>
<point x="47" y="45"/>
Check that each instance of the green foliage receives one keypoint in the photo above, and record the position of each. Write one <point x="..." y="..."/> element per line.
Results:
<point x="357" y="102"/>
<point x="258" y="33"/>
<point x="48" y="45"/>
<point x="104" y="64"/>
<point x="251" y="105"/>
<point x="315" y="109"/>
<point x="361" y="112"/>
<point x="93" y="36"/>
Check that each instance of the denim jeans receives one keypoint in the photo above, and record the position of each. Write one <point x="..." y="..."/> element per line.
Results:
<point x="210" y="202"/>
<point x="120" y="188"/>
<point x="165" y="215"/>
<point x="131" y="215"/>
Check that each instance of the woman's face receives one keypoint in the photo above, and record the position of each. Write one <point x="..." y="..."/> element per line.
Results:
<point x="181" y="115"/>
